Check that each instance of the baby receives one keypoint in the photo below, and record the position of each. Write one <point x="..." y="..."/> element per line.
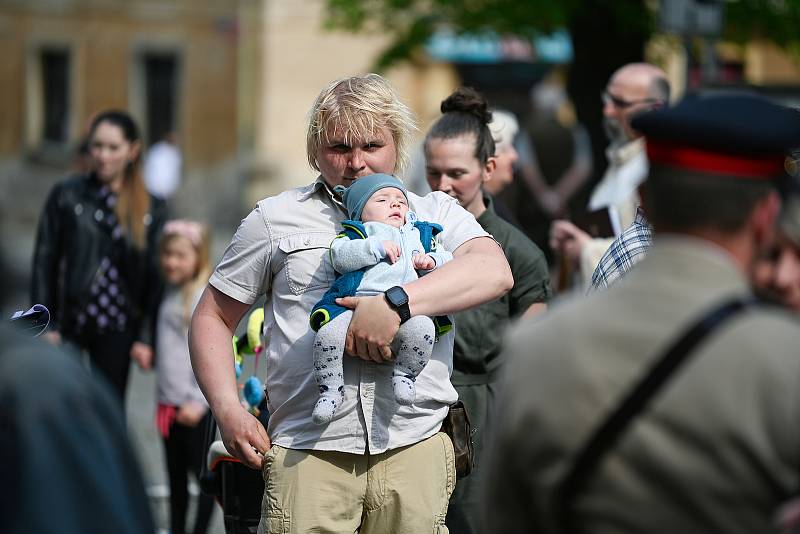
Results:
<point x="382" y="246"/>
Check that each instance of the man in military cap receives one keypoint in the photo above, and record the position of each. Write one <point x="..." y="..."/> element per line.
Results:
<point x="716" y="448"/>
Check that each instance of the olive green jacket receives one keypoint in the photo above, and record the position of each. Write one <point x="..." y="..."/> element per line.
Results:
<point x="717" y="450"/>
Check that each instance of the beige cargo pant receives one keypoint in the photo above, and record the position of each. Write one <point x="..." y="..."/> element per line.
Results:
<point x="401" y="491"/>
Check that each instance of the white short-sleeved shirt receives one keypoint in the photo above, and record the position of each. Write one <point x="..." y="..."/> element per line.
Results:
<point x="279" y="250"/>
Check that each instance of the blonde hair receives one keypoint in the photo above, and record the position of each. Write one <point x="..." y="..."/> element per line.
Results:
<point x="504" y="128"/>
<point x="358" y="107"/>
<point x="199" y="235"/>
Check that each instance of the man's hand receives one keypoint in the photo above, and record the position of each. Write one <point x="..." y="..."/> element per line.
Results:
<point x="142" y="354"/>
<point x="423" y="262"/>
<point x="372" y="328"/>
<point x="568" y="240"/>
<point x="243" y="436"/>
<point x="392" y="250"/>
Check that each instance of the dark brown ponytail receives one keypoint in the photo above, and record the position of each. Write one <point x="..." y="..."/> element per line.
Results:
<point x="465" y="112"/>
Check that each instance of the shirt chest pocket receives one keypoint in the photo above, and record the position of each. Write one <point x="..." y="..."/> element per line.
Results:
<point x="305" y="262"/>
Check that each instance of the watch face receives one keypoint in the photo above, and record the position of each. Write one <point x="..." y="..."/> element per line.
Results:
<point x="397" y="296"/>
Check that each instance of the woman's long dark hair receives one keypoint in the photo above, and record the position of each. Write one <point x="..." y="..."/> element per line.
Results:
<point x="133" y="201"/>
<point x="465" y="112"/>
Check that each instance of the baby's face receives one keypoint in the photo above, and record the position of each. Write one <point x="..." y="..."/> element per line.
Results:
<point x="387" y="205"/>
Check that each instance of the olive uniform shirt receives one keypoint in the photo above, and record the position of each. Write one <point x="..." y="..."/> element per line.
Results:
<point x="717" y="449"/>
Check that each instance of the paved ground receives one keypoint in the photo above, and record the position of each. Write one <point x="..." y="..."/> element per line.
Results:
<point x="147" y="443"/>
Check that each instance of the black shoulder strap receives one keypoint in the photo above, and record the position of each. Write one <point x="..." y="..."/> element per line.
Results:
<point x="607" y="434"/>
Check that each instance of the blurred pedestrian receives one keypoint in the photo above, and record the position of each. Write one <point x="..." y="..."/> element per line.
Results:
<point x="95" y="261"/>
<point x="460" y="159"/>
<point x="377" y="466"/>
<point x="504" y="128"/>
<point x="182" y="410"/>
<point x="162" y="167"/>
<point x="777" y="274"/>
<point x="68" y="465"/>
<point x="555" y="161"/>
<point x="712" y="449"/>
<point x="633" y="89"/>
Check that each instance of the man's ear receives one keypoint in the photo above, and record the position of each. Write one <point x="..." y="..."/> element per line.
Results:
<point x="764" y="217"/>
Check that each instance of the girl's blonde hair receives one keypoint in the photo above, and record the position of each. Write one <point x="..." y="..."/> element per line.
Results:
<point x="133" y="200"/>
<point x="356" y="108"/>
<point x="199" y="235"/>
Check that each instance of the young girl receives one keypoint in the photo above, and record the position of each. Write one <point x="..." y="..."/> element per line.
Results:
<point x="182" y="409"/>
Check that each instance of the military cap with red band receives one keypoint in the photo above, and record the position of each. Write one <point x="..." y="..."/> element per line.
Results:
<point x="735" y="135"/>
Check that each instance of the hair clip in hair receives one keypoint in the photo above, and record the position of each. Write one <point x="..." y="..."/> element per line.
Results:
<point x="191" y="230"/>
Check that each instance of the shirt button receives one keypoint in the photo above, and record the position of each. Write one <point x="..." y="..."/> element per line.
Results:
<point x="307" y="241"/>
<point x="365" y="394"/>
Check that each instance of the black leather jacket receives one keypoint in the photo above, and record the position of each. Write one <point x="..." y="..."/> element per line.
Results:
<point x="69" y="247"/>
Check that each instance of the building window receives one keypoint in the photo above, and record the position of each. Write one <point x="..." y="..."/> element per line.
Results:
<point x="160" y="72"/>
<point x="55" y="94"/>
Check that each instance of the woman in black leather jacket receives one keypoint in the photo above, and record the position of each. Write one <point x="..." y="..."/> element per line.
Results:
<point x="95" y="261"/>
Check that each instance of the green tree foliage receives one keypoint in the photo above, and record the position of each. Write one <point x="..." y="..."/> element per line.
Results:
<point x="605" y="34"/>
<point x="775" y="20"/>
<point x="410" y="23"/>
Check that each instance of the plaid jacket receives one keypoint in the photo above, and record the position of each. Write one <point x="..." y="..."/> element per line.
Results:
<point x="625" y="252"/>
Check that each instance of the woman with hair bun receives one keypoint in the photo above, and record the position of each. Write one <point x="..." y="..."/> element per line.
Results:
<point x="95" y="259"/>
<point x="460" y="158"/>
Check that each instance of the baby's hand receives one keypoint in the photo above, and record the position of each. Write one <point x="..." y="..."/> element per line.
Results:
<point x="392" y="250"/>
<point x="423" y="262"/>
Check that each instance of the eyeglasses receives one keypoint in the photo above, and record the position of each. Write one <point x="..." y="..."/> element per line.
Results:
<point x="620" y="103"/>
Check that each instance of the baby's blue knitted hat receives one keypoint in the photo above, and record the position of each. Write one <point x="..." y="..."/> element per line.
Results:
<point x="355" y="196"/>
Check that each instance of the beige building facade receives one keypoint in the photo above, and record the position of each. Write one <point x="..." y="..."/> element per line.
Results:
<point x="240" y="78"/>
<point x="174" y="65"/>
<point x="233" y="78"/>
<point x="298" y="59"/>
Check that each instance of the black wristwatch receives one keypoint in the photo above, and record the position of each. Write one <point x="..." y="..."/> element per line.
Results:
<point x="397" y="298"/>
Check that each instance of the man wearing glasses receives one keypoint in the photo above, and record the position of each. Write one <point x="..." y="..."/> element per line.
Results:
<point x="632" y="89"/>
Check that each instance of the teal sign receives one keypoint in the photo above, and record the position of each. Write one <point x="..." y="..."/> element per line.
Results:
<point x="492" y="48"/>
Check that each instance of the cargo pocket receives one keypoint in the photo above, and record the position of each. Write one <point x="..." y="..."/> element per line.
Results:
<point x="450" y="466"/>
<point x="306" y="265"/>
<point x="274" y="520"/>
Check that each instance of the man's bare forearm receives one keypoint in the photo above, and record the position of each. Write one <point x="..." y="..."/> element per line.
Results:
<point x="213" y="324"/>
<point x="478" y="273"/>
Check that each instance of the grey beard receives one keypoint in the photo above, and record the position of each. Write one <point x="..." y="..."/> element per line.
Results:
<point x="616" y="135"/>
